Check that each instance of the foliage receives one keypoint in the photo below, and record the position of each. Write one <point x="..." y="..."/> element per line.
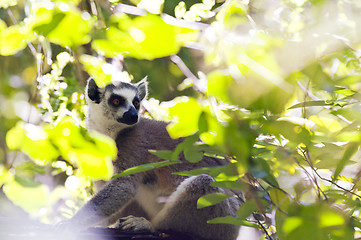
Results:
<point x="272" y="85"/>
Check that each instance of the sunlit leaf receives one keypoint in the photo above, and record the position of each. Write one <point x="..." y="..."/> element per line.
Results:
<point x="331" y="218"/>
<point x="186" y="112"/>
<point x="315" y="221"/>
<point x="31" y="199"/>
<point x="310" y="104"/>
<point x="211" y="199"/>
<point x="92" y="164"/>
<point x="232" y="220"/>
<point x="293" y="132"/>
<point x="319" y="77"/>
<point x="8" y="3"/>
<point x="95" y="67"/>
<point x="233" y="14"/>
<point x="144" y="167"/>
<point x="66" y="26"/>
<point x="218" y="83"/>
<point x="291" y="224"/>
<point x="13" y="39"/>
<point x="32" y="140"/>
<point x="144" y="37"/>
<point x="350" y="150"/>
<point x="92" y="152"/>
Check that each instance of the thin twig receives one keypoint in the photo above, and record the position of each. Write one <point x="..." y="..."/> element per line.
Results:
<point x="332" y="182"/>
<point x="187" y="72"/>
<point x="314" y="98"/>
<point x="30" y="45"/>
<point x="264" y="230"/>
<point x="306" y="157"/>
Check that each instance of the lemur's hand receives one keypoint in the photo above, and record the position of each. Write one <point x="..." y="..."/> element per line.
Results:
<point x="135" y="224"/>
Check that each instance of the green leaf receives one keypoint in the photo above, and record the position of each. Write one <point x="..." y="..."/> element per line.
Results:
<point x="260" y="169"/>
<point x="13" y="39"/>
<point x="310" y="104"/>
<point x="315" y="221"/>
<point x="67" y="27"/>
<point x="144" y="37"/>
<point x="94" y="66"/>
<point x="26" y="182"/>
<point x="164" y="154"/>
<point x="32" y="140"/>
<point x="246" y="209"/>
<point x="186" y="113"/>
<point x="203" y="123"/>
<point x="218" y="83"/>
<point x="31" y="199"/>
<point x="294" y="132"/>
<point x="233" y="185"/>
<point x="327" y="156"/>
<point x="8" y="3"/>
<point x="92" y="164"/>
<point x="220" y="173"/>
<point x="144" y="167"/>
<point x="211" y="199"/>
<point x="188" y="142"/>
<point x="45" y="29"/>
<point x="193" y="155"/>
<point x="233" y="221"/>
<point x="350" y="150"/>
<point x="319" y="77"/>
<point x="92" y="152"/>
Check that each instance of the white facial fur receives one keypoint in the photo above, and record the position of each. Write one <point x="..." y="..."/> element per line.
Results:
<point x="103" y="117"/>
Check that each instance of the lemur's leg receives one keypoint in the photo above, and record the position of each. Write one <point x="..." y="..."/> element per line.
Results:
<point x="180" y="213"/>
<point x="113" y="197"/>
<point x="132" y="208"/>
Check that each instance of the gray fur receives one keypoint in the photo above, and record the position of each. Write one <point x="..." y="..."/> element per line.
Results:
<point x="117" y="197"/>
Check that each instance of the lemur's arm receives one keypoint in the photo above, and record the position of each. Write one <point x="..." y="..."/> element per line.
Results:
<point x="108" y="201"/>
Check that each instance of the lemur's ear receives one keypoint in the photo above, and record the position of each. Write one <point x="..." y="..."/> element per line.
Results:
<point x="92" y="90"/>
<point x="142" y="88"/>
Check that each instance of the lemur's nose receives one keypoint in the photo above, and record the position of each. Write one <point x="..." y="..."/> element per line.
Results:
<point x="130" y="116"/>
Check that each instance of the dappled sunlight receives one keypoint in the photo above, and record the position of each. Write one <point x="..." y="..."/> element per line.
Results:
<point x="273" y="87"/>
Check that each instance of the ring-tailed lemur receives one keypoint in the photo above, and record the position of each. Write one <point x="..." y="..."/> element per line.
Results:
<point x="114" y="111"/>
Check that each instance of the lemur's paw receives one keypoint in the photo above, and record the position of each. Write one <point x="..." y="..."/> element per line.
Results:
<point x="136" y="224"/>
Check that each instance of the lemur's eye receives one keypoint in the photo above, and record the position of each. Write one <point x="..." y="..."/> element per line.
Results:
<point x="116" y="102"/>
<point x="136" y="103"/>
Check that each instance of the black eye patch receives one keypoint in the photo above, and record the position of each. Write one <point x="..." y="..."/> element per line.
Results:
<point x="116" y="101"/>
<point x="136" y="103"/>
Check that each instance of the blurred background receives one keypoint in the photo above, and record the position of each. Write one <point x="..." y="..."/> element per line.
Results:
<point x="274" y="85"/>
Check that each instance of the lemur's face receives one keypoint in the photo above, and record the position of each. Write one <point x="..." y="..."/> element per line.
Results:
<point x="119" y="103"/>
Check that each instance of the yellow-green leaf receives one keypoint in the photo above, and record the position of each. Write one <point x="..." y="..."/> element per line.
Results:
<point x="66" y="26"/>
<point x="211" y="199"/>
<point x="32" y="140"/>
<point x="31" y="199"/>
<point x="186" y="113"/>
<point x="94" y="66"/>
<point x="13" y="39"/>
<point x="144" y="37"/>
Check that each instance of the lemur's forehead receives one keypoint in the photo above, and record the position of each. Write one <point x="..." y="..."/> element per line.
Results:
<point x="126" y="90"/>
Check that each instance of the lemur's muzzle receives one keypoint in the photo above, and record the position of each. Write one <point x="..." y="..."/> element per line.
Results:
<point x="129" y="117"/>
